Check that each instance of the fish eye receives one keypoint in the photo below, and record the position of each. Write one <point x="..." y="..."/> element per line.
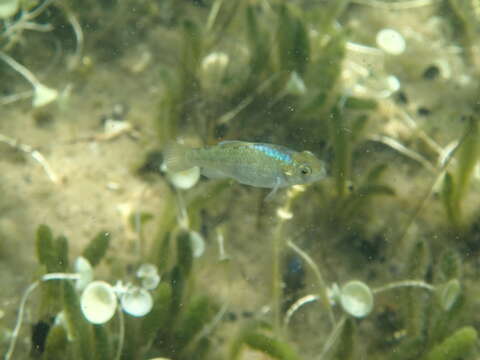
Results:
<point x="305" y="170"/>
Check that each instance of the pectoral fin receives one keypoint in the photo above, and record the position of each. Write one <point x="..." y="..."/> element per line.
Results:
<point x="175" y="157"/>
<point x="286" y="172"/>
<point x="271" y="194"/>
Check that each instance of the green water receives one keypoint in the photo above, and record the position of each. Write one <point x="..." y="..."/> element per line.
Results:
<point x="106" y="255"/>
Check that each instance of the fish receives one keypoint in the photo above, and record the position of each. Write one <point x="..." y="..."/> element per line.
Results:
<point x="256" y="164"/>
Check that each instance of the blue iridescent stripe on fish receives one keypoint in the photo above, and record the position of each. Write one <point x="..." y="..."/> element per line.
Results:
<point x="274" y="153"/>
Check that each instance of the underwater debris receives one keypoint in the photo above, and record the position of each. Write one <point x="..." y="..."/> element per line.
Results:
<point x="35" y="154"/>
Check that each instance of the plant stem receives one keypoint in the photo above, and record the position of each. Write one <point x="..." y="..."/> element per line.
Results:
<point x="18" y="325"/>
<point x="121" y="333"/>
<point x="321" y="282"/>
<point x="405" y="283"/>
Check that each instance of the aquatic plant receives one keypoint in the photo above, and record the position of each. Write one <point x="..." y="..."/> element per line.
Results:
<point x="255" y="335"/>
<point x="272" y="70"/>
<point x="285" y="68"/>
<point x="455" y="187"/>
<point x="85" y="306"/>
<point x="464" y="16"/>
<point x="458" y="344"/>
<point x="427" y="320"/>
<point x="301" y="74"/>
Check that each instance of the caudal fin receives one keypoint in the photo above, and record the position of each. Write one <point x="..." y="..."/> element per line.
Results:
<point x="176" y="157"/>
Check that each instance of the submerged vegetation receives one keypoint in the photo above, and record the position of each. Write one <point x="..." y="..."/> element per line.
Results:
<point x="377" y="261"/>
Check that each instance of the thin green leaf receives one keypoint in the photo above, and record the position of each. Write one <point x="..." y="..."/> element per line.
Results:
<point x="97" y="248"/>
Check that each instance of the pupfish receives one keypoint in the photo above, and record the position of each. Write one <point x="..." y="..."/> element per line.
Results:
<point x="256" y="164"/>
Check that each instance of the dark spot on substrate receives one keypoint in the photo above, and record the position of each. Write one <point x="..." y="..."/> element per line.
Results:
<point x="431" y="73"/>
<point x="43" y="119"/>
<point x="401" y="97"/>
<point x="423" y="111"/>
<point x="152" y="163"/>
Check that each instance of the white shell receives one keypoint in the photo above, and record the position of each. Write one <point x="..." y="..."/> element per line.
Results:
<point x="393" y="83"/>
<point x="98" y="302"/>
<point x="295" y="85"/>
<point x="83" y="268"/>
<point x="215" y="61"/>
<point x="356" y="299"/>
<point x="151" y="282"/>
<point x="149" y="276"/>
<point x="213" y="69"/>
<point x="8" y="8"/>
<point x="391" y="41"/>
<point x="43" y="95"/>
<point x="146" y="270"/>
<point x="198" y="244"/>
<point x="184" y="179"/>
<point x="137" y="302"/>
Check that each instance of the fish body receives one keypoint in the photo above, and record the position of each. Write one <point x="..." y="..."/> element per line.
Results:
<point x="256" y="164"/>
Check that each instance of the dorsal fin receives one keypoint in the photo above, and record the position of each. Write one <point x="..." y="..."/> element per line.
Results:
<point x="225" y="142"/>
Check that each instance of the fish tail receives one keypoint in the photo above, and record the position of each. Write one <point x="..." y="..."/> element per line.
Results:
<point x="176" y="157"/>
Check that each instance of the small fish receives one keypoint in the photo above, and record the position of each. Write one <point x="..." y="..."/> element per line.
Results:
<point x="256" y="164"/>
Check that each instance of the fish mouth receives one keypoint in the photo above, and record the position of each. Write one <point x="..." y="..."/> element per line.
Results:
<point x="320" y="176"/>
<point x="323" y="173"/>
<point x="311" y="180"/>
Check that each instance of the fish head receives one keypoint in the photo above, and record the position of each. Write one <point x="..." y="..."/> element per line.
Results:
<point x="305" y="168"/>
